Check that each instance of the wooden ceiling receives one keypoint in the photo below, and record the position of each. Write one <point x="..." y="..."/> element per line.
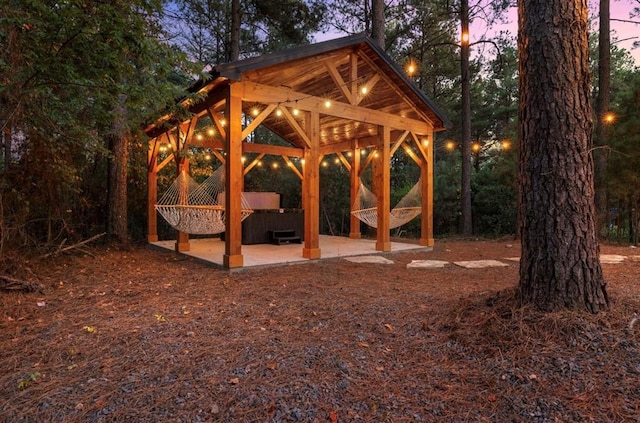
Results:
<point x="327" y="78"/>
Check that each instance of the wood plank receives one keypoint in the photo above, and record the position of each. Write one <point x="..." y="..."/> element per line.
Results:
<point x="267" y="94"/>
<point x="234" y="174"/>
<point x="383" y="237"/>
<point x="399" y="142"/>
<point x="253" y="163"/>
<point x="426" y="173"/>
<point x="296" y="126"/>
<point x="152" y="193"/>
<point x="257" y="121"/>
<point x="354" y="180"/>
<point x="311" y="190"/>
<point x="293" y="167"/>
<point x="340" y="83"/>
<point x="273" y="150"/>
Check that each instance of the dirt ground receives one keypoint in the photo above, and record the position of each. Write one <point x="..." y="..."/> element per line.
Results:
<point x="150" y="336"/>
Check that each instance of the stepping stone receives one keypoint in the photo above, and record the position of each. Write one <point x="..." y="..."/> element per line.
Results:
<point x="426" y="264"/>
<point x="611" y="258"/>
<point x="479" y="264"/>
<point x="369" y="259"/>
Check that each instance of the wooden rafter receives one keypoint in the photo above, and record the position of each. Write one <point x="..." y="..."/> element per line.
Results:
<point x="399" y="142"/>
<point x="292" y="166"/>
<point x="340" y="83"/>
<point x="423" y="152"/>
<point x="253" y="163"/>
<point x="296" y="126"/>
<point x="269" y="94"/>
<point x="257" y="121"/>
<point x="344" y="161"/>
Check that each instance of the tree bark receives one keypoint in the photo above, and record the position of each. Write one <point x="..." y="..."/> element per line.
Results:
<point x="118" y="175"/>
<point x="465" y="182"/>
<point x="602" y="108"/>
<point x="559" y="266"/>
<point x="235" y="30"/>
<point x="377" y="22"/>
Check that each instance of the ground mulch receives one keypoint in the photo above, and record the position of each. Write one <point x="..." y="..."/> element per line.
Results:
<point x="151" y="336"/>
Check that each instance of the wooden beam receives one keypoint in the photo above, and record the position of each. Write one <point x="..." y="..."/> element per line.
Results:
<point x="253" y="163"/>
<point x="353" y="73"/>
<point x="383" y="240"/>
<point x="234" y="174"/>
<point x="311" y="189"/>
<point x="399" y="92"/>
<point x="216" y="118"/>
<point x="424" y="150"/>
<point x="219" y="156"/>
<point x="426" y="219"/>
<point x="274" y="150"/>
<point x="354" y="179"/>
<point x="296" y="126"/>
<point x="344" y="161"/>
<point x="369" y="84"/>
<point x="337" y="79"/>
<point x="370" y="157"/>
<point x="182" y="238"/>
<point x="399" y="142"/>
<point x="268" y="94"/>
<point x="152" y="192"/>
<point x="293" y="167"/>
<point x="257" y="121"/>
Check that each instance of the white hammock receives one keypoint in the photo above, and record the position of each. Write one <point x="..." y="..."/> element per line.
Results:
<point x="197" y="208"/>
<point x="365" y="207"/>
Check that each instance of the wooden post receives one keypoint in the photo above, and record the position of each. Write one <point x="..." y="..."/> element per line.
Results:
<point x="354" y="222"/>
<point x="311" y="188"/>
<point x="383" y="241"/>
<point x="233" y="179"/>
<point x="152" y="192"/>
<point x="182" y="239"/>
<point x="426" y="173"/>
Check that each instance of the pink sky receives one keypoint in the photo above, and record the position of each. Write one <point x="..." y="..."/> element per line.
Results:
<point x="627" y="33"/>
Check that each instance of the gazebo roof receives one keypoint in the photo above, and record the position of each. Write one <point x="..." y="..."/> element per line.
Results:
<point x="331" y="71"/>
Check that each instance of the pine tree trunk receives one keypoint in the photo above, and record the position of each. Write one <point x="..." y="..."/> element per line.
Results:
<point x="559" y="265"/>
<point x="235" y="30"/>
<point x="377" y="22"/>
<point x="118" y="175"/>
<point x="465" y="181"/>
<point x="602" y="108"/>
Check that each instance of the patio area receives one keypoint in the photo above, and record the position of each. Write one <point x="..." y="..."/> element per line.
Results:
<point x="211" y="250"/>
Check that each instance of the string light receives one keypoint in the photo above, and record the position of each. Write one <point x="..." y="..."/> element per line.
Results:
<point x="450" y="145"/>
<point x="425" y="142"/>
<point x="275" y="165"/>
<point x="609" y="118"/>
<point x="278" y="112"/>
<point x="211" y="132"/>
<point x="327" y="103"/>
<point x="255" y="112"/>
<point x="411" y="68"/>
<point x="243" y="159"/>
<point x="223" y="122"/>
<point x="207" y="157"/>
<point x="199" y="137"/>
<point x="506" y="144"/>
<point x="364" y="90"/>
<point x="324" y="163"/>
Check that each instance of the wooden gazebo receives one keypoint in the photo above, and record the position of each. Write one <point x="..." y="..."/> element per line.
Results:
<point x="335" y="97"/>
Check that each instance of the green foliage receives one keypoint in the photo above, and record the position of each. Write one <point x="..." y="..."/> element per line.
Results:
<point x="69" y="70"/>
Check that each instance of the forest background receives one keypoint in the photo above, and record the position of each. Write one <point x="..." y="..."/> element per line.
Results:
<point x="79" y="80"/>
